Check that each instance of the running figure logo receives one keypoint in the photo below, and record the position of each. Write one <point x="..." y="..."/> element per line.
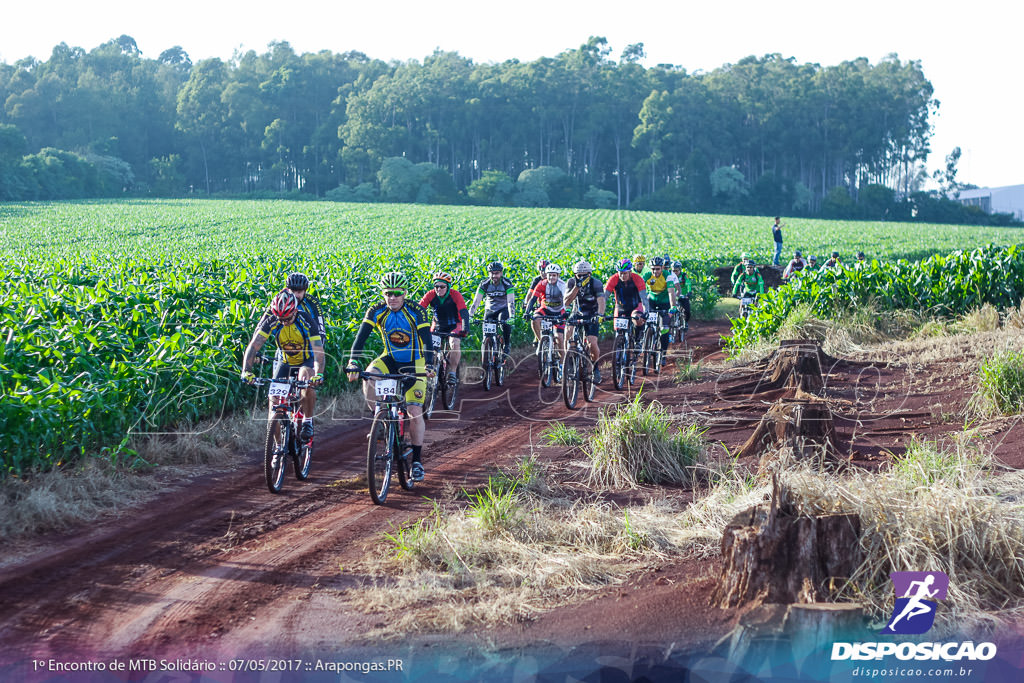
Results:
<point x="914" y="612"/>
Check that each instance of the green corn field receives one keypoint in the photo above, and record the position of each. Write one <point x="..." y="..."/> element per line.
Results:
<point x="122" y="317"/>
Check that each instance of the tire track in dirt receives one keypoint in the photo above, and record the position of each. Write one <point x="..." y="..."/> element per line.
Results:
<point x="223" y="560"/>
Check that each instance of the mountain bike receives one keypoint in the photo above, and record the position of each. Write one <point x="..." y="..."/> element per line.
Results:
<point x="548" y="361"/>
<point x="747" y="301"/>
<point x="624" y="353"/>
<point x="492" y="355"/>
<point x="438" y="384"/>
<point x="677" y="326"/>
<point x="577" y="367"/>
<point x="386" y="450"/>
<point x="650" y="344"/>
<point x="283" y="432"/>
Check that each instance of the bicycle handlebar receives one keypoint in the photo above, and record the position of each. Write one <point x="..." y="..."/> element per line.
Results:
<point x="363" y="374"/>
<point x="291" y="381"/>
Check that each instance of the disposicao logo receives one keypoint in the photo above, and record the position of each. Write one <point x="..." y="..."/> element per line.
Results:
<point x="917" y="596"/>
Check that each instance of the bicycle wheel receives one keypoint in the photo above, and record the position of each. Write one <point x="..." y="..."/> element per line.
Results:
<point x="500" y="362"/>
<point x="649" y="362"/>
<point x="545" y="362"/>
<point x="430" y="398"/>
<point x="570" y="379"/>
<point x="275" y="451"/>
<point x="379" y="457"/>
<point x="303" y="459"/>
<point x="586" y="371"/>
<point x="619" y="361"/>
<point x="486" y="360"/>
<point x="451" y="391"/>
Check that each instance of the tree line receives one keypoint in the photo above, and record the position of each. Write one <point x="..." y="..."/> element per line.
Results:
<point x="765" y="135"/>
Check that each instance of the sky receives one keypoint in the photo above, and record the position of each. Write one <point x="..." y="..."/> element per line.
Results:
<point x="969" y="51"/>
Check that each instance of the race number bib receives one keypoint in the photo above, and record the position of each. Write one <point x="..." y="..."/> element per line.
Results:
<point x="386" y="387"/>
<point x="437" y="341"/>
<point x="622" y="323"/>
<point x="545" y="324"/>
<point x="747" y="300"/>
<point x="278" y="390"/>
<point x="652" y="318"/>
<point x="490" y="328"/>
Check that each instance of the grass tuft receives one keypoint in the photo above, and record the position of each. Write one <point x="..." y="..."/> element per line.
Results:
<point x="1000" y="385"/>
<point x="559" y="434"/>
<point x="637" y="443"/>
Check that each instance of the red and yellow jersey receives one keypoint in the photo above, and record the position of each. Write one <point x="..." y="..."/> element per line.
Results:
<point x="295" y="340"/>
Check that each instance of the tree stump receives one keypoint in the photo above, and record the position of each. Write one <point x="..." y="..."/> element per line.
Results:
<point x="772" y="633"/>
<point x="794" y="370"/>
<point x="804" y="426"/>
<point x="809" y="625"/>
<point x="773" y="554"/>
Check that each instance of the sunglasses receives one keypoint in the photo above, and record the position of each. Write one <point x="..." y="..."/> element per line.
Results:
<point x="396" y="292"/>
<point x="440" y="285"/>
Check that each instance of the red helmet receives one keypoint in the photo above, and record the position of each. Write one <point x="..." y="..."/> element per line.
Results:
<point x="284" y="306"/>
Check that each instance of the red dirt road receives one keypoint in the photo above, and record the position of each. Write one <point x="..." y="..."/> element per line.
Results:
<point x="222" y="570"/>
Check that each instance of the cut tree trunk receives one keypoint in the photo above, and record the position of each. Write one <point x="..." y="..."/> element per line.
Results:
<point x="805" y="426"/>
<point x="772" y="633"/>
<point x="773" y="554"/>
<point x="793" y="370"/>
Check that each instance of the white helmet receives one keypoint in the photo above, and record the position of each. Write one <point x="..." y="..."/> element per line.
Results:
<point x="553" y="268"/>
<point x="582" y="268"/>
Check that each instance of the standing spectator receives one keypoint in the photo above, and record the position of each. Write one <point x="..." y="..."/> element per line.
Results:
<point x="777" y="237"/>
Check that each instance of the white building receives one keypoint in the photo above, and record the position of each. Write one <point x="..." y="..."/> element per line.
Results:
<point x="1009" y="199"/>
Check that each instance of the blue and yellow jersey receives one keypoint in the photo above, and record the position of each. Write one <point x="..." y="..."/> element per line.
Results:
<point x="294" y="341"/>
<point x="405" y="332"/>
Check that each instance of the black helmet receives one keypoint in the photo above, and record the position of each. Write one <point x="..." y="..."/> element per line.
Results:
<point x="658" y="261"/>
<point x="835" y="254"/>
<point x="298" y="281"/>
<point x="495" y="267"/>
<point x="860" y="255"/>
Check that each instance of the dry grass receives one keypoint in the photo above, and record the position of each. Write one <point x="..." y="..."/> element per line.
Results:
<point x="62" y="498"/>
<point x="937" y="509"/>
<point x="462" y="568"/>
<point x="636" y="443"/>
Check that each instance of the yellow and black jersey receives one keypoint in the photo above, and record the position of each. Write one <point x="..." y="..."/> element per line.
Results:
<point x="406" y="332"/>
<point x="295" y="341"/>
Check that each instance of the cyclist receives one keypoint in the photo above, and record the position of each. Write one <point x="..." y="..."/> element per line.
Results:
<point x="407" y="349"/>
<point x="835" y="262"/>
<point x="298" y="283"/>
<point x="661" y="293"/>
<point x="812" y="263"/>
<point x="630" y="293"/>
<point x="683" y="291"/>
<point x="450" y="316"/>
<point x="750" y="282"/>
<point x="300" y="351"/>
<point x="794" y="266"/>
<point x="501" y="300"/>
<point x="861" y="262"/>
<point x="737" y="271"/>
<point x="587" y="295"/>
<point x="542" y="264"/>
<point x="551" y="293"/>
<point x="638" y="263"/>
